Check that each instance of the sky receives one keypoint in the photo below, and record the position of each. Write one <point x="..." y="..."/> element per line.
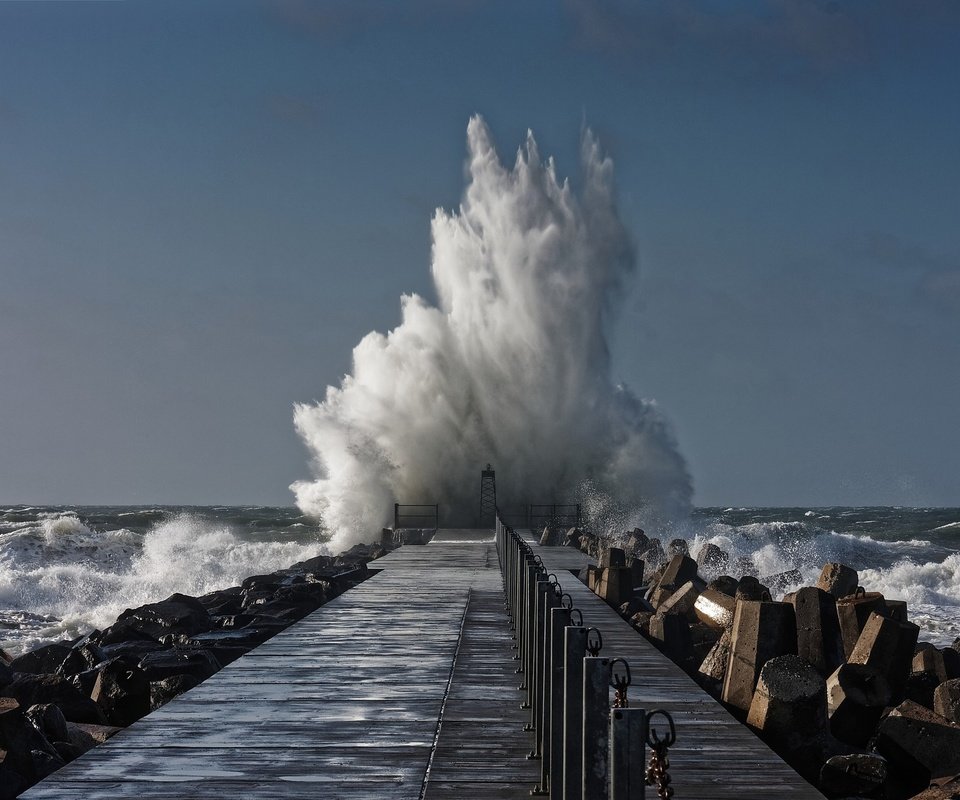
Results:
<point x="205" y="205"/>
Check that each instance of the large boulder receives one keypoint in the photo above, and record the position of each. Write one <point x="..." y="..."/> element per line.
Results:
<point x="43" y="659"/>
<point x="920" y="742"/>
<point x="162" y="692"/>
<point x="853" y="775"/>
<point x="178" y="614"/>
<point x="200" y="664"/>
<point x="31" y="690"/>
<point x="122" y="690"/>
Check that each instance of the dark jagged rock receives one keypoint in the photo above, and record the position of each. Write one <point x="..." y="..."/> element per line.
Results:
<point x="43" y="659"/>
<point x="162" y="692"/>
<point x="84" y="655"/>
<point x="853" y="774"/>
<point x="85" y="737"/>
<point x="943" y="789"/>
<point x="200" y="664"/>
<point x="951" y="662"/>
<point x="48" y="719"/>
<point x="32" y="690"/>
<point x="636" y="542"/>
<point x="122" y="690"/>
<point x="179" y="613"/>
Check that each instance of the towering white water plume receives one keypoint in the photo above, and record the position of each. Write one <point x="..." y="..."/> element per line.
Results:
<point x="512" y="368"/>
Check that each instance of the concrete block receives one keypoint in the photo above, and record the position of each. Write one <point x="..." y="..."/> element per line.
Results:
<point x="636" y="542"/>
<point x="951" y="662"/>
<point x="725" y="584"/>
<point x="943" y="789"/>
<point x="818" y="629"/>
<point x="789" y="709"/>
<point x="853" y="775"/>
<point x="711" y="559"/>
<point x="838" y="579"/>
<point x="678" y="547"/>
<point x="750" y="588"/>
<point x="680" y="569"/>
<point x="920" y="688"/>
<point x="946" y="700"/>
<point x="887" y="645"/>
<point x="715" y="609"/>
<point x="616" y="585"/>
<point x="637" y="568"/>
<point x="856" y="697"/>
<point x="919" y="741"/>
<point x="897" y="609"/>
<point x="672" y="632"/>
<point x="641" y="621"/>
<point x="929" y="659"/>
<point x="593" y="578"/>
<point x="550" y="536"/>
<point x="681" y="601"/>
<point x="613" y="557"/>
<point x="853" y="611"/>
<point x="761" y="631"/>
<point x="715" y="664"/>
<point x="653" y="554"/>
<point x="778" y="583"/>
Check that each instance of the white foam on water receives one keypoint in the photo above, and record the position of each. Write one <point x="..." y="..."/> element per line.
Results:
<point x="511" y="367"/>
<point x="59" y="578"/>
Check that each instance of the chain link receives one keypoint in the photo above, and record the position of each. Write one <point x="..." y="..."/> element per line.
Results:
<point x="658" y="772"/>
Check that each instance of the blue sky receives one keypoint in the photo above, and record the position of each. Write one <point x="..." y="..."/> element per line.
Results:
<point x="205" y="205"/>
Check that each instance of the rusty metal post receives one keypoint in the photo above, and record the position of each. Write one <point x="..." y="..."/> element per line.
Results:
<point x="596" y="727"/>
<point x="628" y="735"/>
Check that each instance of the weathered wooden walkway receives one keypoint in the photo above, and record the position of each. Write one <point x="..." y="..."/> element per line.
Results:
<point x="403" y="687"/>
<point x="346" y="703"/>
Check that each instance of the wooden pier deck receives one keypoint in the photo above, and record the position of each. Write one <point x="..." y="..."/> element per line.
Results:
<point x="403" y="687"/>
<point x="346" y="703"/>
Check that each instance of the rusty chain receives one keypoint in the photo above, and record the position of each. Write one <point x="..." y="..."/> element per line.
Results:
<point x="658" y="770"/>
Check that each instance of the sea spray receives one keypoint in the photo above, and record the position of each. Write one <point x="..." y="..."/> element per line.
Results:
<point x="512" y="367"/>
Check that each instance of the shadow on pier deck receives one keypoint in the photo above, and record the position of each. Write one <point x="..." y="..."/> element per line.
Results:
<point x="403" y="687"/>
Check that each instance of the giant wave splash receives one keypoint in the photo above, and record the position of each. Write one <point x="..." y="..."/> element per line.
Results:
<point x="511" y="367"/>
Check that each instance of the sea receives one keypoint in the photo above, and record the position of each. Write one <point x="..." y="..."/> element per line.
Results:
<point x="65" y="570"/>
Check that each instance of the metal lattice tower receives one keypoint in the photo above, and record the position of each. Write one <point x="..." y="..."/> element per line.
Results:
<point x="488" y="498"/>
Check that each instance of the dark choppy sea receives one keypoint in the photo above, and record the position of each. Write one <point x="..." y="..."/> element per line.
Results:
<point x="65" y="570"/>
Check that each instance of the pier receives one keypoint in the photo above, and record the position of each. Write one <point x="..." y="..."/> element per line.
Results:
<point x="406" y="686"/>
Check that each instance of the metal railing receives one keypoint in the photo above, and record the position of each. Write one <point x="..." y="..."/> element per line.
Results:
<point x="406" y="515"/>
<point x="538" y="515"/>
<point x="588" y="747"/>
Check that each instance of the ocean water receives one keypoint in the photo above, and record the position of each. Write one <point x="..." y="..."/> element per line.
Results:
<point x="67" y="570"/>
<point x="64" y="571"/>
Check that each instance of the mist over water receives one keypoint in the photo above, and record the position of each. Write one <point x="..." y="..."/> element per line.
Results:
<point x="512" y="367"/>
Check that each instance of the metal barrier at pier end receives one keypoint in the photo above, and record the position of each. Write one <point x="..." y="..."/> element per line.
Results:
<point x="406" y="515"/>
<point x="589" y="746"/>
<point x="562" y="515"/>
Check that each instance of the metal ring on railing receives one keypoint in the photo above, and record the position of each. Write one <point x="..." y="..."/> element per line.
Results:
<point x="579" y="614"/>
<point x="552" y="577"/>
<point x="594" y="641"/>
<point x="537" y="560"/>
<point x="653" y="738"/>
<point x="568" y="603"/>
<point x="619" y="680"/>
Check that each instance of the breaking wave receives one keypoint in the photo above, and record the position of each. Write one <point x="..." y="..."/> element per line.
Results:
<point x="511" y="367"/>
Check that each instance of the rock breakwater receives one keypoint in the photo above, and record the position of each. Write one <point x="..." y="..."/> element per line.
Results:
<point x="60" y="700"/>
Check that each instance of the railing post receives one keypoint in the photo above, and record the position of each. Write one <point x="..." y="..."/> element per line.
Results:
<point x="396" y="516"/>
<point x="575" y="649"/>
<point x="628" y="735"/>
<point x="596" y="726"/>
